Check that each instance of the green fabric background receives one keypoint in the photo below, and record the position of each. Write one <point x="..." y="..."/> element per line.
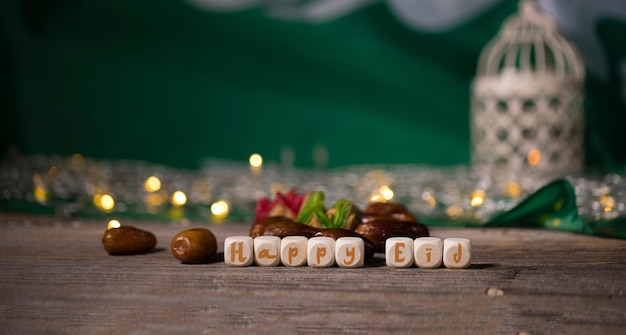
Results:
<point x="168" y="83"/>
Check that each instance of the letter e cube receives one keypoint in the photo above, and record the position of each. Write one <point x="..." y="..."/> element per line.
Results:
<point x="399" y="252"/>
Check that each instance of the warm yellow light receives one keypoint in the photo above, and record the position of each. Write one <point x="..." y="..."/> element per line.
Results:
<point x="155" y="199"/>
<point x="152" y="184"/>
<point x="428" y="197"/>
<point x="478" y="197"/>
<point x="40" y="194"/>
<point x="377" y="197"/>
<point x="607" y="202"/>
<point x="78" y="160"/>
<point x="454" y="211"/>
<point x="37" y="179"/>
<point x="386" y="192"/>
<point x="256" y="162"/>
<point x="534" y="157"/>
<point x="113" y="224"/>
<point x="220" y="209"/>
<point x="513" y="189"/>
<point x="105" y="202"/>
<point x="178" y="199"/>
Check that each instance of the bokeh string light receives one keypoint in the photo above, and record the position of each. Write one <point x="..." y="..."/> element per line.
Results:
<point x="223" y="190"/>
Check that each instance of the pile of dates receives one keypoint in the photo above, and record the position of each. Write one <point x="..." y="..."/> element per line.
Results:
<point x="289" y="214"/>
<point x="375" y="224"/>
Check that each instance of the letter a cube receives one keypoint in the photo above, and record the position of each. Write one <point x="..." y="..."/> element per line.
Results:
<point x="350" y="252"/>
<point x="238" y="251"/>
<point x="428" y="252"/>
<point x="293" y="250"/>
<point x="457" y="253"/>
<point x="267" y="250"/>
<point x="321" y="252"/>
<point x="399" y="252"/>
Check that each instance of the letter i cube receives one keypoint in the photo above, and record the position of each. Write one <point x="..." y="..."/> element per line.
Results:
<point x="399" y="252"/>
<point x="321" y="252"/>
<point x="293" y="250"/>
<point x="350" y="252"/>
<point x="428" y="252"/>
<point x="238" y="251"/>
<point x="457" y="253"/>
<point x="267" y="250"/>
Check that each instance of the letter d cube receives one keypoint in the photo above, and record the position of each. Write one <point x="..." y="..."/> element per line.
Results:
<point x="457" y="253"/>
<point x="238" y="251"/>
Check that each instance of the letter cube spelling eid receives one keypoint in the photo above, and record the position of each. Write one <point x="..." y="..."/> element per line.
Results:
<point x="399" y="252"/>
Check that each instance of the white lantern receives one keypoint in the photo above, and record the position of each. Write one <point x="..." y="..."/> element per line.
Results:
<point x="527" y="97"/>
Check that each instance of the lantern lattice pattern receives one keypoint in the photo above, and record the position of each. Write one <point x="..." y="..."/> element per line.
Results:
<point x="527" y="98"/>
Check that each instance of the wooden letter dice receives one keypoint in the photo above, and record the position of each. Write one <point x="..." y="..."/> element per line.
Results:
<point x="350" y="252"/>
<point x="267" y="250"/>
<point x="321" y="252"/>
<point x="457" y="253"/>
<point x="238" y="251"/>
<point x="428" y="252"/>
<point x="399" y="252"/>
<point x="293" y="250"/>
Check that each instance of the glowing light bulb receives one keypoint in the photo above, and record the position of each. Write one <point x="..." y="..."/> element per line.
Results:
<point x="513" y="189"/>
<point x="607" y="202"/>
<point x="256" y="162"/>
<point x="113" y="224"/>
<point x="478" y="197"/>
<point x="534" y="157"/>
<point x="377" y="197"/>
<point x="178" y="199"/>
<point x="454" y="211"/>
<point x="220" y="209"/>
<point x="40" y="194"/>
<point x="152" y="184"/>
<point x="155" y="199"/>
<point x="386" y="192"/>
<point x="106" y="202"/>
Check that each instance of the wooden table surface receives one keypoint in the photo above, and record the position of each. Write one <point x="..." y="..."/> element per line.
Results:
<point x="55" y="277"/>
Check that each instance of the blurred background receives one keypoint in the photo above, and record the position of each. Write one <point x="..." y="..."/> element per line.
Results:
<point x="305" y="83"/>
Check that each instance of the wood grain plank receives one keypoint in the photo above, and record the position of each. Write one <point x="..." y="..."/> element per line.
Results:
<point x="56" y="278"/>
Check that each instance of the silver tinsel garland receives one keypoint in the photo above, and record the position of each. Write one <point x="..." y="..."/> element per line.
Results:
<point x="77" y="186"/>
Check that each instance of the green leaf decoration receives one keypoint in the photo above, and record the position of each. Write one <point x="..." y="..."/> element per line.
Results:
<point x="343" y="209"/>
<point x="313" y="209"/>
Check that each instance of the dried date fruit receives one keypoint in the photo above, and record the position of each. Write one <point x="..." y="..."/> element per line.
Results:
<point x="281" y="227"/>
<point x="389" y="209"/>
<point x="378" y="231"/>
<point x="196" y="245"/>
<point x="128" y="240"/>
